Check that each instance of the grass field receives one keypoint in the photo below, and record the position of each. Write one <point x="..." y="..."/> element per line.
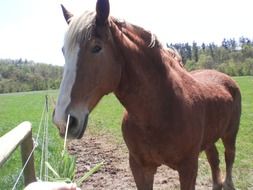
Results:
<point x="14" y="109"/>
<point x="18" y="107"/>
<point x="243" y="171"/>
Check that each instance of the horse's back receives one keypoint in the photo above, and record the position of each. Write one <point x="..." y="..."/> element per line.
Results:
<point x="214" y="79"/>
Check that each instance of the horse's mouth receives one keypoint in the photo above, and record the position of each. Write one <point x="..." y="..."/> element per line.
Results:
<point x="77" y="127"/>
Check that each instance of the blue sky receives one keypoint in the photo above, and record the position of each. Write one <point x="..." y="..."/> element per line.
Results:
<point x="34" y="29"/>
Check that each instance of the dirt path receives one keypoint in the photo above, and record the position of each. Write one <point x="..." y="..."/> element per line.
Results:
<point x="116" y="174"/>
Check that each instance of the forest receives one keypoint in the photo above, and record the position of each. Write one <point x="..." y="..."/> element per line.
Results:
<point x="233" y="57"/>
<point x="22" y="75"/>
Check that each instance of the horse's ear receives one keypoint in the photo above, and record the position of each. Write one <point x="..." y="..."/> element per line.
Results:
<point x="67" y="14"/>
<point x="102" y="10"/>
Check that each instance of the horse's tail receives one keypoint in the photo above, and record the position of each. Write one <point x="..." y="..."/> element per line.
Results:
<point x="236" y="111"/>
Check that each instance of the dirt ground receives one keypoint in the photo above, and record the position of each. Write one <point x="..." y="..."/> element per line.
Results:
<point x="115" y="173"/>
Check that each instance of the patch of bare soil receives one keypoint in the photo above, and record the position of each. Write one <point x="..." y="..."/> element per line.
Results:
<point x="115" y="173"/>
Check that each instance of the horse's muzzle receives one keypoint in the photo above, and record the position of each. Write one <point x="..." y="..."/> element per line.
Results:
<point x="77" y="124"/>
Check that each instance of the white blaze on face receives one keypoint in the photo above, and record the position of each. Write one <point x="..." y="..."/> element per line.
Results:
<point x="79" y="28"/>
<point x="69" y="76"/>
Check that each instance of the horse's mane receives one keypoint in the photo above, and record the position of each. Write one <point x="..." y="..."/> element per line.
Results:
<point x="143" y="37"/>
<point x="137" y="34"/>
<point x="175" y="54"/>
<point x="81" y="27"/>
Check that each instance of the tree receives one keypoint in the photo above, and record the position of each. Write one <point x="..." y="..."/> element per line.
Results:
<point x="19" y="75"/>
<point x="229" y="44"/>
<point x="247" y="51"/>
<point x="195" y="52"/>
<point x="210" y="50"/>
<point x="203" y="47"/>
<point x="206" y="62"/>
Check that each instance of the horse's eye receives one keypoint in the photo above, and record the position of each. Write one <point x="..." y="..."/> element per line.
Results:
<point x="96" y="49"/>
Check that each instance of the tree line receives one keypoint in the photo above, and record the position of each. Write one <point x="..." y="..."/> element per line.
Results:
<point x="233" y="57"/>
<point x="22" y="75"/>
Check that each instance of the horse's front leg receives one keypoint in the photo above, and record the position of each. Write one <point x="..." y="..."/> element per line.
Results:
<point x="188" y="170"/>
<point x="143" y="174"/>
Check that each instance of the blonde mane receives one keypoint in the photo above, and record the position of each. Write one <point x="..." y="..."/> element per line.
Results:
<point x="175" y="55"/>
<point x="80" y="29"/>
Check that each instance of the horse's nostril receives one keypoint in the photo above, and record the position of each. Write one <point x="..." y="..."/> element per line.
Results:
<point x="72" y="122"/>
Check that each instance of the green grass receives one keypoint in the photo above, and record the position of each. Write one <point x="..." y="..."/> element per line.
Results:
<point x="18" y="107"/>
<point x="14" y="109"/>
<point x="107" y="116"/>
<point x="243" y="168"/>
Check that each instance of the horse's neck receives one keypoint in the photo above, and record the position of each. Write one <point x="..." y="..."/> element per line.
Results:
<point x="149" y="76"/>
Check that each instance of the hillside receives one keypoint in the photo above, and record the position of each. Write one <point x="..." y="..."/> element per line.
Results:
<point x="22" y="75"/>
<point x="233" y="57"/>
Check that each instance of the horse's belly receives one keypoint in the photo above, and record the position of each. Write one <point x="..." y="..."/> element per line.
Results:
<point x="156" y="148"/>
<point x="148" y="153"/>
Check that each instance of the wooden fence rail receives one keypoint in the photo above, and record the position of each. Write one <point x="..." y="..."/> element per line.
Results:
<point x="20" y="135"/>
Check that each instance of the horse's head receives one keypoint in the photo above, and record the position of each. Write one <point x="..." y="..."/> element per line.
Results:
<point x="92" y="68"/>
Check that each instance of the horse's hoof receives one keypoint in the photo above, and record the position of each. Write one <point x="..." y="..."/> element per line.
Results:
<point x="227" y="186"/>
<point x="217" y="187"/>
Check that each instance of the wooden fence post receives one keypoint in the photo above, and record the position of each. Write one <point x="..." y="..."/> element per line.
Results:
<point x="20" y="135"/>
<point x="26" y="148"/>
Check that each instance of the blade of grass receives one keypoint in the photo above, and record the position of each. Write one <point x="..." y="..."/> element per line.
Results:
<point x="66" y="135"/>
<point x="66" y="180"/>
<point x="88" y="174"/>
<point x="52" y="169"/>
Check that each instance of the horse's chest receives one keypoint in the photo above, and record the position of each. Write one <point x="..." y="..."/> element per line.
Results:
<point x="144" y="149"/>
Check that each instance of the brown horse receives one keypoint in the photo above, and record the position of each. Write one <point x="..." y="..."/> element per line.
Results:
<point x="171" y="115"/>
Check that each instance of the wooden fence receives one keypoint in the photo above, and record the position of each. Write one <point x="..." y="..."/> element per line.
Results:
<point x="20" y="135"/>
